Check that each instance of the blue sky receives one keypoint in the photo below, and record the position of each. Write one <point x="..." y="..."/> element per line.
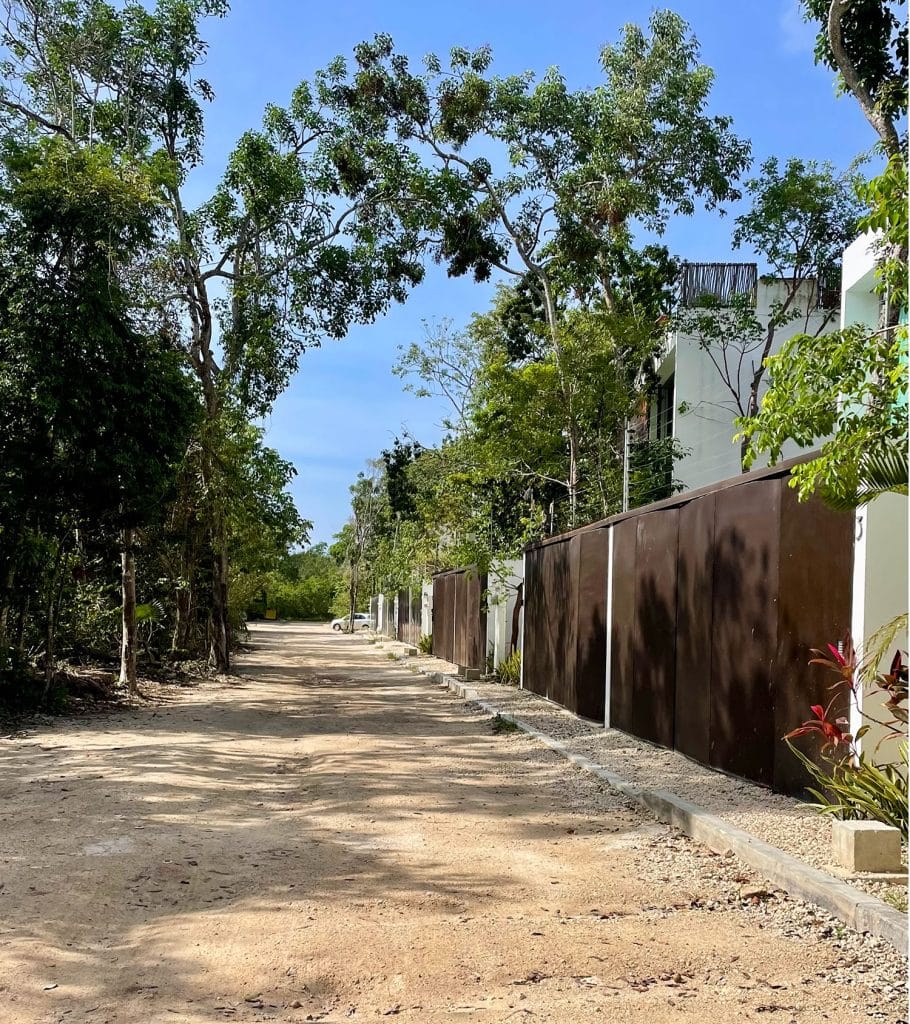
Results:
<point x="344" y="405"/>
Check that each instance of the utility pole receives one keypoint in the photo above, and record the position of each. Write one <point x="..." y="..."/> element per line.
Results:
<point x="625" y="468"/>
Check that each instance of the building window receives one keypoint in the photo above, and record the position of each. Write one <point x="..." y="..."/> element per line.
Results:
<point x="664" y="410"/>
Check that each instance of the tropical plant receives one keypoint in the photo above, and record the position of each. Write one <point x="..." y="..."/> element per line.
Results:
<point x="425" y="644"/>
<point x="508" y="672"/>
<point x="850" y="783"/>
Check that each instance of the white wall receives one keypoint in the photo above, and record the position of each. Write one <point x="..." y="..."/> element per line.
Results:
<point x="707" y="429"/>
<point x="880" y="574"/>
<point x="426" y="609"/>
<point x="503" y="580"/>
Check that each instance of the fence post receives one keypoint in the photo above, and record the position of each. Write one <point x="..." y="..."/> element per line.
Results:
<point x="608" y="680"/>
<point x="625" y="468"/>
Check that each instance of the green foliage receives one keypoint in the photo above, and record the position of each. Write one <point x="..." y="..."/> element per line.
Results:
<point x="425" y="644"/>
<point x="508" y="672"/>
<point x="869" y="55"/>
<point x="502" y="726"/>
<point x="860" y="790"/>
<point x="848" y="783"/>
<point x="303" y="587"/>
<point x="849" y="386"/>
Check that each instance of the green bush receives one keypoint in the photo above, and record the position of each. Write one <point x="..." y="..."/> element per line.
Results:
<point x="509" y="671"/>
<point x="425" y="643"/>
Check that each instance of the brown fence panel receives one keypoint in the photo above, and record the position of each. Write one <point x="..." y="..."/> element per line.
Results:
<point x="694" y="627"/>
<point x="403" y="608"/>
<point x="551" y="622"/>
<point x="534" y="666"/>
<point x="444" y="616"/>
<point x="591" y="637"/>
<point x="457" y="586"/>
<point x="561" y="580"/>
<point x="816" y="579"/>
<point x="622" y="670"/>
<point x="408" y="622"/>
<point x="654" y="670"/>
<point x="459" y="618"/>
<point x="415" y="616"/>
<point x="471" y="620"/>
<point x="744" y="647"/>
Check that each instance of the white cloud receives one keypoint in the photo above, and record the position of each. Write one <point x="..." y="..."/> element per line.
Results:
<point x="797" y="34"/>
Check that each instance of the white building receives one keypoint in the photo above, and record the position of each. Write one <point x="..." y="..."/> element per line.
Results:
<point x="880" y="553"/>
<point x="694" y="404"/>
<point x="705" y="383"/>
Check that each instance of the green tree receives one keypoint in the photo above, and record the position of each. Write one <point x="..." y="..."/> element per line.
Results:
<point x="578" y="169"/>
<point x="302" y="237"/>
<point x="865" y="43"/>
<point x="94" y="412"/>
<point x="850" y="388"/>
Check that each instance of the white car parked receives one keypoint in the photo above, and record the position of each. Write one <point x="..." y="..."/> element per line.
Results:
<point x="361" y="621"/>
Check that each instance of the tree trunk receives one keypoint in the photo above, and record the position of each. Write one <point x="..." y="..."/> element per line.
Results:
<point x="50" y="633"/>
<point x="881" y="123"/>
<point x="220" y="654"/>
<point x="128" y="589"/>
<point x="6" y="593"/>
<point x="516" y="617"/>
<point x="183" y="623"/>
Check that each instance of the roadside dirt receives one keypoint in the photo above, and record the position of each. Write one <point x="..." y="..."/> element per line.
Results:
<point x="327" y="838"/>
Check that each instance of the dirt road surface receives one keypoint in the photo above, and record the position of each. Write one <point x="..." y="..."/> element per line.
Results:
<point x="330" y="838"/>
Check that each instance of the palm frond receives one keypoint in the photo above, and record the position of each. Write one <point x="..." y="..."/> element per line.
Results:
<point x="885" y="471"/>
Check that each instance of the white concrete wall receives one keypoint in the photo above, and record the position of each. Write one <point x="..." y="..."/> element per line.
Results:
<point x="503" y="579"/>
<point x="880" y="574"/>
<point x="426" y="609"/>
<point x="706" y="428"/>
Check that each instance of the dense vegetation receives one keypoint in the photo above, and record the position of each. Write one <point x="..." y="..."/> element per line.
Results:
<point x="143" y="339"/>
<point x="544" y="386"/>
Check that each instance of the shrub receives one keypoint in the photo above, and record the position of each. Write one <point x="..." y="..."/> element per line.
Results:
<point x="509" y="671"/>
<point x="425" y="643"/>
<point x="848" y="785"/>
<point x="501" y="725"/>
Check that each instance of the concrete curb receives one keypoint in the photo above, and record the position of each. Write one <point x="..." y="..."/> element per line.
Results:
<point x="858" y="910"/>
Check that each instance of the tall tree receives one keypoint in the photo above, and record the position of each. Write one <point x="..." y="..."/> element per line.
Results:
<point x="865" y="42"/>
<point x="94" y="412"/>
<point x="578" y="170"/>
<point x="302" y="237"/>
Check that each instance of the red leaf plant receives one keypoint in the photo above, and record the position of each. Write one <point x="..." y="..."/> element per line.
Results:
<point x="832" y="732"/>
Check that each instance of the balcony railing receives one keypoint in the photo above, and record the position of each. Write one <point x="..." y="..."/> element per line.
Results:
<point x="718" y="282"/>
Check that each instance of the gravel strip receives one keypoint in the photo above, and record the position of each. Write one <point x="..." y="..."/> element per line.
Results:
<point x="715" y="884"/>
<point x="782" y="821"/>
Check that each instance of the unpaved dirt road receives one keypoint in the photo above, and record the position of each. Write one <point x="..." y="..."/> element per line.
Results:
<point x="332" y="839"/>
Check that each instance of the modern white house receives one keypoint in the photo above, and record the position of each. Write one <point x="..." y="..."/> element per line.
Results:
<point x="694" y="404"/>
<point x="705" y="381"/>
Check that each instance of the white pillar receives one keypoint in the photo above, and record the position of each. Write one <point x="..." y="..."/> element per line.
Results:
<point x="608" y="674"/>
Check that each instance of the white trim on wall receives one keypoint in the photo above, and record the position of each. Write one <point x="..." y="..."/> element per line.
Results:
<point x="608" y="625"/>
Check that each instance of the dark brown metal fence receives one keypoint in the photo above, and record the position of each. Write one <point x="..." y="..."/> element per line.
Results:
<point x="718" y="596"/>
<point x="459" y="617"/>
<point x="409" y="616"/>
<point x="565" y="622"/>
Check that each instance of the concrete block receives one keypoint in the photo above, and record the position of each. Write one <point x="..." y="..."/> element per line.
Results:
<point x="468" y="673"/>
<point x="410" y="651"/>
<point x="866" y="846"/>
